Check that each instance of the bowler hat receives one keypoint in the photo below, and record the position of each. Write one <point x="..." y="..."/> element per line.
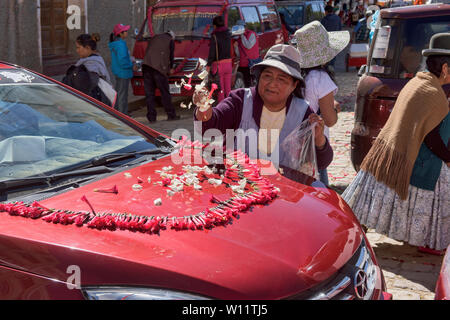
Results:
<point x="439" y="45"/>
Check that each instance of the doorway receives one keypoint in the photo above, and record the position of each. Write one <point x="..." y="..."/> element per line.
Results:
<point x="54" y="37"/>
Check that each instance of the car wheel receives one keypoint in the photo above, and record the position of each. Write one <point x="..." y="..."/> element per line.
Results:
<point x="239" y="82"/>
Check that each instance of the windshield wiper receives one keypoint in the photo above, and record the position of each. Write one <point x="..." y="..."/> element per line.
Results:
<point x="48" y="179"/>
<point x="114" y="157"/>
<point x="90" y="167"/>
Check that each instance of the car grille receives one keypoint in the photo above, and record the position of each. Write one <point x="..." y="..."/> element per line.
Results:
<point x="190" y="65"/>
<point x="355" y="280"/>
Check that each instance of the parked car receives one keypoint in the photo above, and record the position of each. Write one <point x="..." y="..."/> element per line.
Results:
<point x="299" y="13"/>
<point x="442" y="291"/>
<point x="394" y="58"/>
<point x="191" y="21"/>
<point x="87" y="213"/>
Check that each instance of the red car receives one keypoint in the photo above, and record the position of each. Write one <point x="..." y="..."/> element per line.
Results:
<point x="191" y="21"/>
<point x="89" y="210"/>
<point x="442" y="291"/>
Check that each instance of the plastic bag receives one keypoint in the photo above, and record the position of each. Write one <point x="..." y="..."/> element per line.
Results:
<point x="300" y="150"/>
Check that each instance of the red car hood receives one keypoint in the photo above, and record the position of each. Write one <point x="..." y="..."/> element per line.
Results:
<point x="274" y="251"/>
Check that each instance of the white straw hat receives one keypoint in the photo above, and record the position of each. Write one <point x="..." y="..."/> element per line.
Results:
<point x="317" y="46"/>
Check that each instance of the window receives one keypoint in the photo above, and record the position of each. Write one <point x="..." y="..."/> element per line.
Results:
<point x="309" y="13"/>
<point x="317" y="11"/>
<point x="184" y="21"/>
<point x="269" y="17"/>
<point x="233" y="16"/>
<point x="251" y="19"/>
<point x="293" y="15"/>
<point x="397" y="46"/>
<point x="45" y="129"/>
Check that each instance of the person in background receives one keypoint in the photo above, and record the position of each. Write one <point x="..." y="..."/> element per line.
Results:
<point x="361" y="31"/>
<point x="157" y="66"/>
<point x="219" y="58"/>
<point x="86" y="47"/>
<point x="331" y="22"/>
<point x="248" y="49"/>
<point x="286" y="28"/>
<point x="121" y="65"/>
<point x="403" y="187"/>
<point x="274" y="108"/>
<point x="317" y="47"/>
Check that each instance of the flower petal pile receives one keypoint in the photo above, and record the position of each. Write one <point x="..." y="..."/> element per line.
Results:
<point x="248" y="186"/>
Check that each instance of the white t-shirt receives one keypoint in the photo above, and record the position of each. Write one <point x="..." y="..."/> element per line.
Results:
<point x="270" y="127"/>
<point x="317" y="85"/>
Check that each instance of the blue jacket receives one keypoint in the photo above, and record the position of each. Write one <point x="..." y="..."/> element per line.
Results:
<point x="121" y="64"/>
<point x="427" y="167"/>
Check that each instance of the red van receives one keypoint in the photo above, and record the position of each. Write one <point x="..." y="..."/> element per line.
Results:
<point x="191" y="21"/>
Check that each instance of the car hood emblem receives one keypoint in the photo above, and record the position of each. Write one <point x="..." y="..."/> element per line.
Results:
<point x="360" y="284"/>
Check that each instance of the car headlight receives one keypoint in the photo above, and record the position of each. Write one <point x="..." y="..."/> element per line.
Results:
<point x="133" y="293"/>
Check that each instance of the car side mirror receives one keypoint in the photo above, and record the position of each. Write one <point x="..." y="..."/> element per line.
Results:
<point x="362" y="70"/>
<point x="237" y="30"/>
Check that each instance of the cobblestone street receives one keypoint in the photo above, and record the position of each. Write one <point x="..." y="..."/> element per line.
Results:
<point x="409" y="274"/>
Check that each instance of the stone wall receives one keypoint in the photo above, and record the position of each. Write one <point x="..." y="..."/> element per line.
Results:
<point x="20" y="33"/>
<point x="103" y="15"/>
<point x="20" y="27"/>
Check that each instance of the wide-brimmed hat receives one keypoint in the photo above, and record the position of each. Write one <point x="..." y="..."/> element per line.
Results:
<point x="439" y="45"/>
<point x="283" y="57"/>
<point x="317" y="46"/>
<point x="119" y="28"/>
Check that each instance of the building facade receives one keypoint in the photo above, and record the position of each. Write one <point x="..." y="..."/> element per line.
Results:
<point x="41" y="34"/>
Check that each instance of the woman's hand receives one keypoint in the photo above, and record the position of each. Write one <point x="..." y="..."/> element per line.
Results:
<point x="337" y="106"/>
<point x="319" y="137"/>
<point x="200" y="99"/>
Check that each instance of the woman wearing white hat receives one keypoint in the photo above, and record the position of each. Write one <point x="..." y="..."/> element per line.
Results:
<point x="275" y="105"/>
<point x="317" y="47"/>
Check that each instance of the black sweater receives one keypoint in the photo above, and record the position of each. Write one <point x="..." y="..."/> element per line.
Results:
<point x="223" y="36"/>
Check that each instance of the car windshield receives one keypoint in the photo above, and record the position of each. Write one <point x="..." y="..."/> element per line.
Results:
<point x="46" y="129"/>
<point x="184" y="21"/>
<point x="293" y="14"/>
<point x="402" y="59"/>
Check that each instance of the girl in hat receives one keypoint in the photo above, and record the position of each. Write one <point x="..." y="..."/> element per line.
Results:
<point x="403" y="187"/>
<point x="317" y="47"/>
<point x="121" y="64"/>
